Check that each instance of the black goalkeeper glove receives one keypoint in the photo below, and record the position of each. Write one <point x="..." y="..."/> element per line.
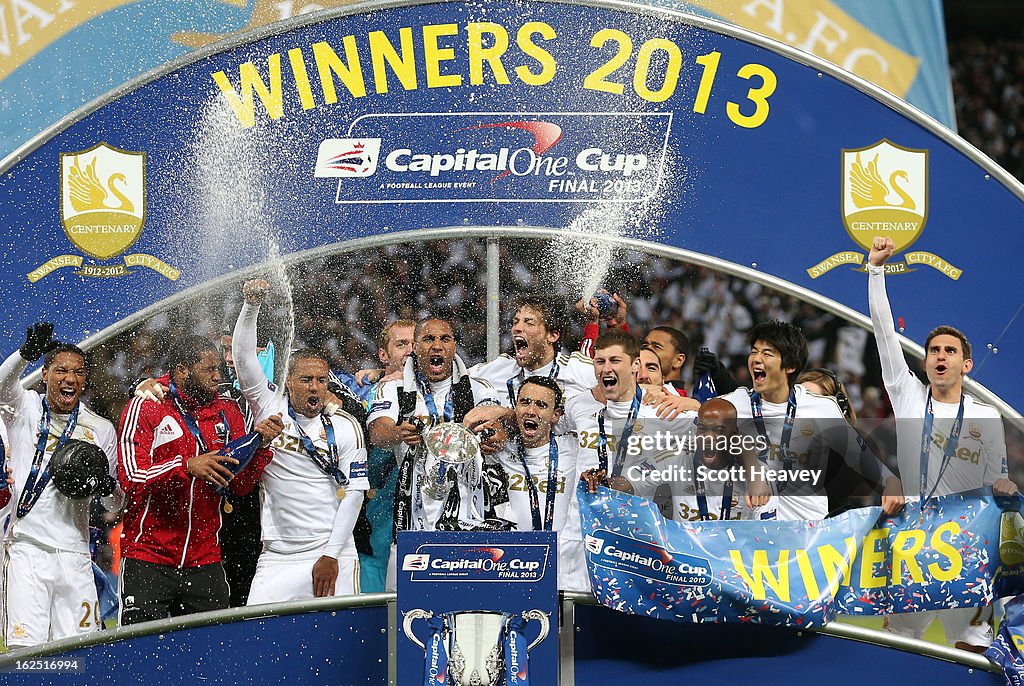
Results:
<point x="39" y="340"/>
<point x="705" y="361"/>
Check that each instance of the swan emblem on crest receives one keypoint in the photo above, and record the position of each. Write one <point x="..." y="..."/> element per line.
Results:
<point x="868" y="189"/>
<point x="88" y="193"/>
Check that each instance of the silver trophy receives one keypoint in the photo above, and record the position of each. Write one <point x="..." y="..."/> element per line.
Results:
<point x="450" y="485"/>
<point x="450" y="446"/>
<point x="475" y="642"/>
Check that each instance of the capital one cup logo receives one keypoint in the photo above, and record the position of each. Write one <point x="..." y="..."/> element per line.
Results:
<point x="885" y="194"/>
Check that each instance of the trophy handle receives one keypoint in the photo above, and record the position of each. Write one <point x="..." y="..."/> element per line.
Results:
<point x="541" y="617"/>
<point x="410" y="617"/>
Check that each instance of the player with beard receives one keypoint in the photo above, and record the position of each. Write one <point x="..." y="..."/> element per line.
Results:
<point x="435" y="387"/>
<point x="537" y="329"/>
<point x="800" y="427"/>
<point x="240" y="522"/>
<point x="48" y="572"/>
<point x="540" y="466"/>
<point x="314" y="486"/>
<point x="171" y="472"/>
<point x="605" y="421"/>
<point x="700" y="499"/>
<point x="951" y="461"/>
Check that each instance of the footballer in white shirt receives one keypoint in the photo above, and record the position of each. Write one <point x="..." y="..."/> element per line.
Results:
<point x="955" y="463"/>
<point x="540" y="466"/>
<point x="313" y="488"/>
<point x="778" y="351"/>
<point x="537" y="327"/>
<point x="48" y="578"/>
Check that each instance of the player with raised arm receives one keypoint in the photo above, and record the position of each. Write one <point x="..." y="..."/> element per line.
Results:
<point x="538" y="326"/>
<point x="935" y="457"/>
<point x="314" y="486"/>
<point x="798" y="427"/>
<point x="48" y="571"/>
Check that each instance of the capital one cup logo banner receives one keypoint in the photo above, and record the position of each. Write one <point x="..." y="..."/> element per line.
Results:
<point x="958" y="551"/>
<point x="477" y="608"/>
<point x="689" y="136"/>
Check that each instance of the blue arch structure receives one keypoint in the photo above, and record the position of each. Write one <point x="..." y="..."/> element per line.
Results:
<point x="693" y="134"/>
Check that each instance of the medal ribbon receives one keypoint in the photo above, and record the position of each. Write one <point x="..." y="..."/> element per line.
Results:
<point x="702" y="492"/>
<point x="926" y="440"/>
<point x="787" y="430"/>
<point x="552" y="374"/>
<point x="328" y="464"/>
<point x="36" y="482"/>
<point x="627" y="431"/>
<point x="190" y="422"/>
<point x="549" y="504"/>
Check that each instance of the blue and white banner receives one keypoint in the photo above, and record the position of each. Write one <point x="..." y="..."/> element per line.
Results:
<point x="960" y="551"/>
<point x="1006" y="648"/>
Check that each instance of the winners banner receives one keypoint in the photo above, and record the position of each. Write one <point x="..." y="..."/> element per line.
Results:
<point x="960" y="550"/>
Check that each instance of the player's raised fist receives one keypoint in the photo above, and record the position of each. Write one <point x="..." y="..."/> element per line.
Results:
<point x="881" y="250"/>
<point x="39" y="340"/>
<point x="255" y="290"/>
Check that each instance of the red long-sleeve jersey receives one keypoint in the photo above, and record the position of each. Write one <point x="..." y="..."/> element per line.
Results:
<point x="171" y="518"/>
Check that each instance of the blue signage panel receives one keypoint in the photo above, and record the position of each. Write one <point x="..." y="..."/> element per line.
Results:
<point x="477" y="607"/>
<point x="352" y="125"/>
<point x="331" y="647"/>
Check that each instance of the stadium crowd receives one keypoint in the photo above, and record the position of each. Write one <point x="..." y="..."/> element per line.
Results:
<point x="339" y="462"/>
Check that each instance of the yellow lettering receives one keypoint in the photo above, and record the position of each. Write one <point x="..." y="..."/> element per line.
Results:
<point x="478" y="54"/>
<point x="807" y="574"/>
<point x="833" y="560"/>
<point x="250" y="80"/>
<point x="956" y="561"/>
<point x="328" y="64"/>
<point x="402" y="65"/>
<point x="761" y="572"/>
<point x="524" y="38"/>
<point x="301" y="78"/>
<point x="435" y="54"/>
<point x="870" y="556"/>
<point x="904" y="549"/>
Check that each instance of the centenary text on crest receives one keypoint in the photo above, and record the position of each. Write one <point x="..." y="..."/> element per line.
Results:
<point x="885" y="193"/>
<point x="103" y="210"/>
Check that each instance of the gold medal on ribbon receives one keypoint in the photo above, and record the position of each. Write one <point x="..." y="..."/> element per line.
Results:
<point x="371" y="494"/>
<point x="228" y="507"/>
<point x="340" y="493"/>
